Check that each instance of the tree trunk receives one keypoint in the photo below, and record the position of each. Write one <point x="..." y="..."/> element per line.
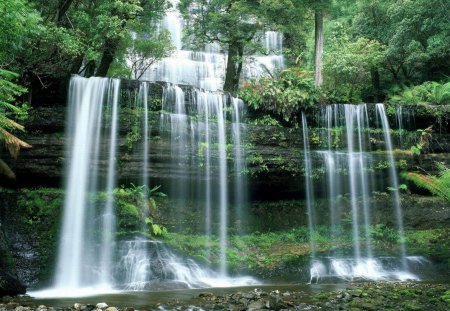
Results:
<point x="107" y="58"/>
<point x="375" y="75"/>
<point x="318" y="50"/>
<point x="234" y="67"/>
<point x="63" y="7"/>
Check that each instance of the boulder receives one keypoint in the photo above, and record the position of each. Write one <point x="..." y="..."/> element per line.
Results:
<point x="9" y="285"/>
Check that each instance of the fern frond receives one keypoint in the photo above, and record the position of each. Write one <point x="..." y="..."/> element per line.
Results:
<point x="436" y="186"/>
<point x="12" y="143"/>
<point x="5" y="170"/>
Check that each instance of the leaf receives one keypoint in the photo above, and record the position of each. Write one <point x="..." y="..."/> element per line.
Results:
<point x="13" y="144"/>
<point x="6" y="170"/>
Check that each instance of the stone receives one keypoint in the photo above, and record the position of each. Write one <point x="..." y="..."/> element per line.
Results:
<point x="12" y="305"/>
<point x="256" y="305"/>
<point x="206" y="295"/>
<point x="249" y="296"/>
<point x="101" y="305"/>
<point x="87" y="308"/>
<point x="111" y="309"/>
<point x="10" y="285"/>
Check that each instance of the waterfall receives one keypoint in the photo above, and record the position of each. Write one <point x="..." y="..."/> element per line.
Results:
<point x="239" y="165"/>
<point x="78" y="264"/>
<point x="309" y="196"/>
<point x="109" y="218"/>
<point x="394" y="182"/>
<point x="205" y="68"/>
<point x="349" y="173"/>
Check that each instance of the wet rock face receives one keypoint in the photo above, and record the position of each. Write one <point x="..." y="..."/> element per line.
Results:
<point x="9" y="284"/>
<point x="274" y="154"/>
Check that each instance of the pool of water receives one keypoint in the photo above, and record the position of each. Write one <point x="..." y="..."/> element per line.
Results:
<point x="150" y="299"/>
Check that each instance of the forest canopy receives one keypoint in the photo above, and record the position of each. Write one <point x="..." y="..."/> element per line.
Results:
<point x="364" y="50"/>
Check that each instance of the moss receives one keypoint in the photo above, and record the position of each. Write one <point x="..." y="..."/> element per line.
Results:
<point x="40" y="212"/>
<point x="284" y="248"/>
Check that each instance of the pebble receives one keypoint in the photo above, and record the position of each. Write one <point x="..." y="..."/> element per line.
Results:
<point x="102" y="305"/>
<point x="111" y="309"/>
<point x="12" y="305"/>
<point x="206" y="295"/>
<point x="255" y="305"/>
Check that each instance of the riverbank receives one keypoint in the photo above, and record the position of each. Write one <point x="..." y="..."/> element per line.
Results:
<point x="344" y="296"/>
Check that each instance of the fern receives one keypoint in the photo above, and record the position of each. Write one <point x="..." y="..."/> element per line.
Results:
<point x="439" y="186"/>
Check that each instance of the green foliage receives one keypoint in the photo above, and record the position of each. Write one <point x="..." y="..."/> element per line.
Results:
<point x="432" y="93"/>
<point x="283" y="97"/>
<point x="9" y="91"/>
<point x="423" y="145"/>
<point x="416" y="35"/>
<point x="437" y="185"/>
<point x="265" y="120"/>
<point x="136" y="206"/>
<point x="270" y="250"/>
<point x="19" y="21"/>
<point x="348" y="67"/>
<point x="144" y="52"/>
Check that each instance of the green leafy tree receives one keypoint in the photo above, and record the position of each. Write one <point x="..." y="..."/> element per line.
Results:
<point x="349" y="67"/>
<point x="416" y="34"/>
<point x="237" y="25"/>
<point x="9" y="91"/>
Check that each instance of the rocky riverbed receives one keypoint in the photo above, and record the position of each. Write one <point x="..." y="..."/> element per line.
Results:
<point x="356" y="296"/>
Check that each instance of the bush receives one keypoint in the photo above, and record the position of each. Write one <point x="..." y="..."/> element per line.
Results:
<point x="432" y="93"/>
<point x="284" y="96"/>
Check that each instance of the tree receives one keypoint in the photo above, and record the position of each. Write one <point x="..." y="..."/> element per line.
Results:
<point x="143" y="53"/>
<point x="416" y="34"/>
<point x="237" y="25"/>
<point x="84" y="37"/>
<point x="318" y="47"/>
<point x="8" y="93"/>
<point x="349" y="65"/>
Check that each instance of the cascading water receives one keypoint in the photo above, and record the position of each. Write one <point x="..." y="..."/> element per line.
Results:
<point x="206" y="68"/>
<point x="349" y="173"/>
<point x="240" y="190"/>
<point x="78" y="264"/>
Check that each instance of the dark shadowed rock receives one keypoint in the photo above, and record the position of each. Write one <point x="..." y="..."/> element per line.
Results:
<point x="9" y="285"/>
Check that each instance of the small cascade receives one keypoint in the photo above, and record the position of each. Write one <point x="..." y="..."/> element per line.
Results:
<point x="148" y="264"/>
<point x="309" y="196"/>
<point x="240" y="190"/>
<point x="79" y="265"/>
<point x="271" y="61"/>
<point x="395" y="190"/>
<point x="348" y="164"/>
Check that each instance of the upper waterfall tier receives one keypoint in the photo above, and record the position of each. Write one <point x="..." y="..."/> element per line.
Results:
<point x="205" y="68"/>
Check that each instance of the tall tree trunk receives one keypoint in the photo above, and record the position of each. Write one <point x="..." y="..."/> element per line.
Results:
<point x="63" y="7"/>
<point x="234" y="67"/>
<point x="318" y="48"/>
<point x="107" y="58"/>
<point x="375" y="75"/>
